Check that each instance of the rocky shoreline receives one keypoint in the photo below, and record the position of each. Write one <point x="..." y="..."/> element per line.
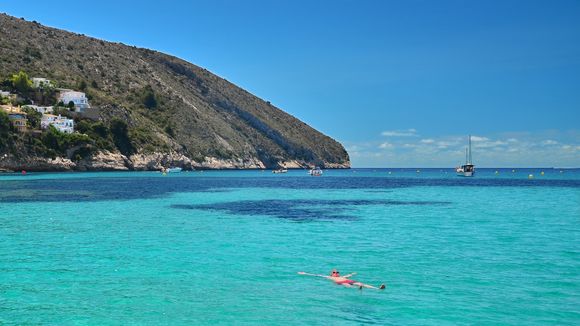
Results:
<point x="109" y="161"/>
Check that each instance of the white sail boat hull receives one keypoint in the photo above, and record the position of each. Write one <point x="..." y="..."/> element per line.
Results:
<point x="468" y="169"/>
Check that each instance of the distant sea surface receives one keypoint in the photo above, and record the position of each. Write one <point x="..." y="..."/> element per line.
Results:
<point x="225" y="247"/>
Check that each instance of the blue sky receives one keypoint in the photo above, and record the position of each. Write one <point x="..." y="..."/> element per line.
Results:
<point x="399" y="83"/>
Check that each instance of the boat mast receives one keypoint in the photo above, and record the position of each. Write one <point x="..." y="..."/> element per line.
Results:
<point x="470" y="150"/>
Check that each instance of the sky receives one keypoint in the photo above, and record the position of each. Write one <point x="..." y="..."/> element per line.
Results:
<point x="398" y="83"/>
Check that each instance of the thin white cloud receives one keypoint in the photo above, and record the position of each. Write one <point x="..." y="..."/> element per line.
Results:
<point x="400" y="133"/>
<point x="427" y="141"/>
<point x="445" y="144"/>
<point x="352" y="148"/>
<point x="549" y="142"/>
<point x="386" y="145"/>
<point x="479" y="138"/>
<point x="491" y="144"/>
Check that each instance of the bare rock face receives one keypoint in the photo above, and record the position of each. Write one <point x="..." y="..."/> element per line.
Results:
<point x="105" y="161"/>
<point x="158" y="161"/>
<point x="57" y="163"/>
<point x="216" y="163"/>
<point x="115" y="161"/>
<point x="293" y="165"/>
<point x="11" y="163"/>
<point x="329" y="165"/>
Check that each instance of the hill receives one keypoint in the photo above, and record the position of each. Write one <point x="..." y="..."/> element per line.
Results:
<point x="176" y="113"/>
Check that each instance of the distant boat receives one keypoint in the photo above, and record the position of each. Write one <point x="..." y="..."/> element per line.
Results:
<point x="316" y="172"/>
<point x="467" y="169"/>
<point x="173" y="170"/>
<point x="279" y="171"/>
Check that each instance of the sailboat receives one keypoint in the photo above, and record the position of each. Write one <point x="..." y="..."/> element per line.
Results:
<point x="467" y="169"/>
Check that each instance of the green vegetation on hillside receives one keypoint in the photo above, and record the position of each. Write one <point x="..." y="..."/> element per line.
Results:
<point x="91" y="136"/>
<point x="6" y="132"/>
<point x="21" y="83"/>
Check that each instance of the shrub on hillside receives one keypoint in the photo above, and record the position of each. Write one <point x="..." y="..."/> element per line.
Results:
<point x="148" y="98"/>
<point x="33" y="117"/>
<point x="5" y="130"/>
<point x="120" y="133"/>
<point x="21" y="82"/>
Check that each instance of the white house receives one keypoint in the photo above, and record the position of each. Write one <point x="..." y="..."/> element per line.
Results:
<point x="38" y="82"/>
<point x="62" y="124"/>
<point x="40" y="109"/>
<point x="78" y="98"/>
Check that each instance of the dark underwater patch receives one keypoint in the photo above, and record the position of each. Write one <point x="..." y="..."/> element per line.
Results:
<point x="301" y="209"/>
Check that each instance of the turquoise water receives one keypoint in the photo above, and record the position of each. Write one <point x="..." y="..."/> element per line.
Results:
<point x="225" y="248"/>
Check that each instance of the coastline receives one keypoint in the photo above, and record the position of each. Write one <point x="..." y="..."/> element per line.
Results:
<point x="110" y="161"/>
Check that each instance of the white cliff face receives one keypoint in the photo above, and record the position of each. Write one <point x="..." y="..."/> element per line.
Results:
<point x="11" y="163"/>
<point x="337" y="165"/>
<point x="58" y="161"/>
<point x="215" y="163"/>
<point x="158" y="161"/>
<point x="293" y="165"/>
<point x="104" y="161"/>
<point x="114" y="161"/>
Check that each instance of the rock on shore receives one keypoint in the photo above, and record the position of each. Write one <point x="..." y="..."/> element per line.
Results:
<point x="114" y="161"/>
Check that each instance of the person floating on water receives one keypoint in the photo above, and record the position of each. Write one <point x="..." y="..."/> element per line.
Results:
<point x="344" y="280"/>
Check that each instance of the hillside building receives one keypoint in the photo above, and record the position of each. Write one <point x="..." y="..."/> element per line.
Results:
<point x="38" y="82"/>
<point x="18" y="118"/>
<point x="40" y="109"/>
<point x="78" y="98"/>
<point x="62" y="124"/>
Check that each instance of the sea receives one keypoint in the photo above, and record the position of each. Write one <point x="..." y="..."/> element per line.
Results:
<point x="225" y="247"/>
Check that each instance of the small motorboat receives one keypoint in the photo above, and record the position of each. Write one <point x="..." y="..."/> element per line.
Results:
<point x="173" y="170"/>
<point x="280" y="171"/>
<point x="316" y="172"/>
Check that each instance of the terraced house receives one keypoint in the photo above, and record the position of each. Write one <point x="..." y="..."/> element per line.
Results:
<point x="39" y="82"/>
<point x="18" y="118"/>
<point x="81" y="103"/>
<point x="60" y="123"/>
<point x="40" y="109"/>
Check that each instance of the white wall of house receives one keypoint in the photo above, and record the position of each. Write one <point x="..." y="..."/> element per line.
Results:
<point x="38" y="82"/>
<point x="62" y="124"/>
<point x="40" y="109"/>
<point x="78" y="98"/>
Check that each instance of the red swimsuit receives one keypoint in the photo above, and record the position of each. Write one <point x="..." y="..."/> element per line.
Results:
<point x="345" y="282"/>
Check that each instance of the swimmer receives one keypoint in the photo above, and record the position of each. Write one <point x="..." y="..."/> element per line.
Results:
<point x="344" y="280"/>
